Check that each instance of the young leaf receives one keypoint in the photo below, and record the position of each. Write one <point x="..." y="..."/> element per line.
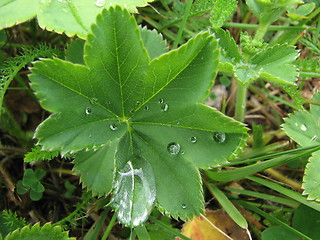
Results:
<point x="128" y="110"/>
<point x="303" y="127"/>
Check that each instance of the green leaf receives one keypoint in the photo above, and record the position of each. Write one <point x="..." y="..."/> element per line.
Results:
<point x="125" y="109"/>
<point x="29" y="178"/>
<point x="153" y="42"/>
<point x="36" y="232"/>
<point x="74" y="52"/>
<point x="13" y="12"/>
<point x="35" y="195"/>
<point x="229" y="49"/>
<point x="306" y="220"/>
<point x="222" y="11"/>
<point x="21" y="188"/>
<point x="303" y="127"/>
<point x="278" y="232"/>
<point x="37" y="154"/>
<point x="272" y="63"/>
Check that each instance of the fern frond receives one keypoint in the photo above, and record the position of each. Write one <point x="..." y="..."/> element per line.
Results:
<point x="13" y="65"/>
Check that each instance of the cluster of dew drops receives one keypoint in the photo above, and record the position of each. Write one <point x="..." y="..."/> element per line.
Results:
<point x="174" y="148"/>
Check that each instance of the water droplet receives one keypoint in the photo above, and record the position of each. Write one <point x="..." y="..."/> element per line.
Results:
<point x="314" y="138"/>
<point x="161" y="100"/>
<point x="90" y="136"/>
<point x="303" y="127"/>
<point x="138" y="103"/>
<point x="95" y="99"/>
<point x="183" y="206"/>
<point x="108" y="102"/>
<point x="100" y="3"/>
<point x="182" y="152"/>
<point x="113" y="127"/>
<point x="146" y="108"/>
<point x="193" y="139"/>
<point x="177" y="123"/>
<point x="165" y="107"/>
<point x="88" y="110"/>
<point x="173" y="148"/>
<point x="219" y="136"/>
<point x="132" y="110"/>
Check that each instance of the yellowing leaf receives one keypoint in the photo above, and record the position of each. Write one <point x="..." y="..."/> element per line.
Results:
<point x="200" y="229"/>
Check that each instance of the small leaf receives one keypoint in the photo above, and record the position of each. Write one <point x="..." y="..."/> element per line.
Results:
<point x="36" y="232"/>
<point x="153" y="42"/>
<point x="21" y="189"/>
<point x="29" y="178"/>
<point x="304" y="128"/>
<point x="222" y="11"/>
<point x="229" y="49"/>
<point x="35" y="195"/>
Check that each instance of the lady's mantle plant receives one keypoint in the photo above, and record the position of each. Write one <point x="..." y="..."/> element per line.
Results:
<point x="136" y="125"/>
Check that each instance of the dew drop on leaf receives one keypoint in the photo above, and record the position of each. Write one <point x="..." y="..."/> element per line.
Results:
<point x="100" y="3"/>
<point x="146" y="108"/>
<point x="219" y="136"/>
<point x="88" y="110"/>
<point x="138" y="103"/>
<point x="108" y="102"/>
<point x="113" y="127"/>
<point x="193" y="139"/>
<point x="161" y="100"/>
<point x="165" y="107"/>
<point x="183" y="206"/>
<point x="303" y="127"/>
<point x="173" y="148"/>
<point x="314" y="138"/>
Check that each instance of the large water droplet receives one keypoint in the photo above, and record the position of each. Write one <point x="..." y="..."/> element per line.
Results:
<point x="173" y="148"/>
<point x="113" y="127"/>
<point x="100" y="3"/>
<point x="88" y="110"/>
<point x="219" y="136"/>
<point x="183" y="206"/>
<point x="165" y="107"/>
<point x="303" y="127"/>
<point x="161" y="100"/>
<point x="193" y="139"/>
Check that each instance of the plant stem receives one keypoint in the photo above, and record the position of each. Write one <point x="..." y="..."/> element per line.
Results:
<point x="110" y="226"/>
<point x="183" y="23"/>
<point x="241" y="102"/>
<point x="261" y="31"/>
<point x="270" y="28"/>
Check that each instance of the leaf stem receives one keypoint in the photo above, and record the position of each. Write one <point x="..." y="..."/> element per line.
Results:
<point x="110" y="226"/>
<point x="183" y="23"/>
<point x="241" y="102"/>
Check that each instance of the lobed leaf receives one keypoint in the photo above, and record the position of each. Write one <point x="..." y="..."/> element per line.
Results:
<point x="304" y="128"/>
<point x="138" y="127"/>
